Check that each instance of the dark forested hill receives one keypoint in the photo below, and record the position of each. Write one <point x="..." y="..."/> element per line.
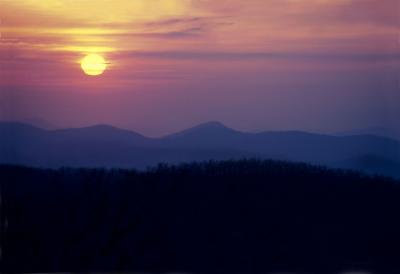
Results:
<point x="236" y="216"/>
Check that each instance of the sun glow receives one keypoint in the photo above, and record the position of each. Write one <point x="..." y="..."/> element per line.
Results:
<point x="93" y="64"/>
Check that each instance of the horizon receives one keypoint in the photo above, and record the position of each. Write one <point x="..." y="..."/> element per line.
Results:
<point x="316" y="66"/>
<point x="200" y="136"/>
<point x="374" y="131"/>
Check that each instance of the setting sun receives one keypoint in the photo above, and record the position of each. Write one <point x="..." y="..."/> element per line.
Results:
<point x="185" y="136"/>
<point x="93" y="64"/>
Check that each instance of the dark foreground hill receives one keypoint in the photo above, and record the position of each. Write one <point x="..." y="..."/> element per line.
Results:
<point x="245" y="216"/>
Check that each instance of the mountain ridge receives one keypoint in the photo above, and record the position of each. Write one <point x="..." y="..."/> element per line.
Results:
<point x="216" y="125"/>
<point x="108" y="146"/>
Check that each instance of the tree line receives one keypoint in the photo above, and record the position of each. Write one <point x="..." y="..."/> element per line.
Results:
<point x="231" y="216"/>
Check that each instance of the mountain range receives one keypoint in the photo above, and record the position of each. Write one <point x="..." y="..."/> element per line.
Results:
<point x="107" y="146"/>
<point x="378" y="131"/>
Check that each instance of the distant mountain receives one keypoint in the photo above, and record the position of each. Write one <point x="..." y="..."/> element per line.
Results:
<point x="97" y="146"/>
<point x="36" y="122"/>
<point x="212" y="129"/>
<point x="107" y="146"/>
<point x="209" y="135"/>
<point x="102" y="133"/>
<point x="377" y="131"/>
<point x="288" y="145"/>
<point x="372" y="164"/>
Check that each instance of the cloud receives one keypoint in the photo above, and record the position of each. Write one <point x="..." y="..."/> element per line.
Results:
<point x="212" y="30"/>
<point x="235" y="56"/>
<point x="179" y="34"/>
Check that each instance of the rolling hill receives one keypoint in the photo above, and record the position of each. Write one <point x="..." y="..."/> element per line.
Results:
<point x="107" y="146"/>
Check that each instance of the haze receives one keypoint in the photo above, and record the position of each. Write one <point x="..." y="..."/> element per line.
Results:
<point x="314" y="65"/>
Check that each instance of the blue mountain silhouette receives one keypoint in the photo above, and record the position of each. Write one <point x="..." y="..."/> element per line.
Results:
<point x="107" y="146"/>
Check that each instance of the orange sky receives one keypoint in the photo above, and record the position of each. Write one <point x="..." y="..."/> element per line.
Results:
<point x="176" y="42"/>
<point x="289" y="26"/>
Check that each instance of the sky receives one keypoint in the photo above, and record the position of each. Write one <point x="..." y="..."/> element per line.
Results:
<point x="315" y="65"/>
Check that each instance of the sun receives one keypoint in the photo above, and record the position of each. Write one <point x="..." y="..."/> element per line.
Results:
<point x="93" y="64"/>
